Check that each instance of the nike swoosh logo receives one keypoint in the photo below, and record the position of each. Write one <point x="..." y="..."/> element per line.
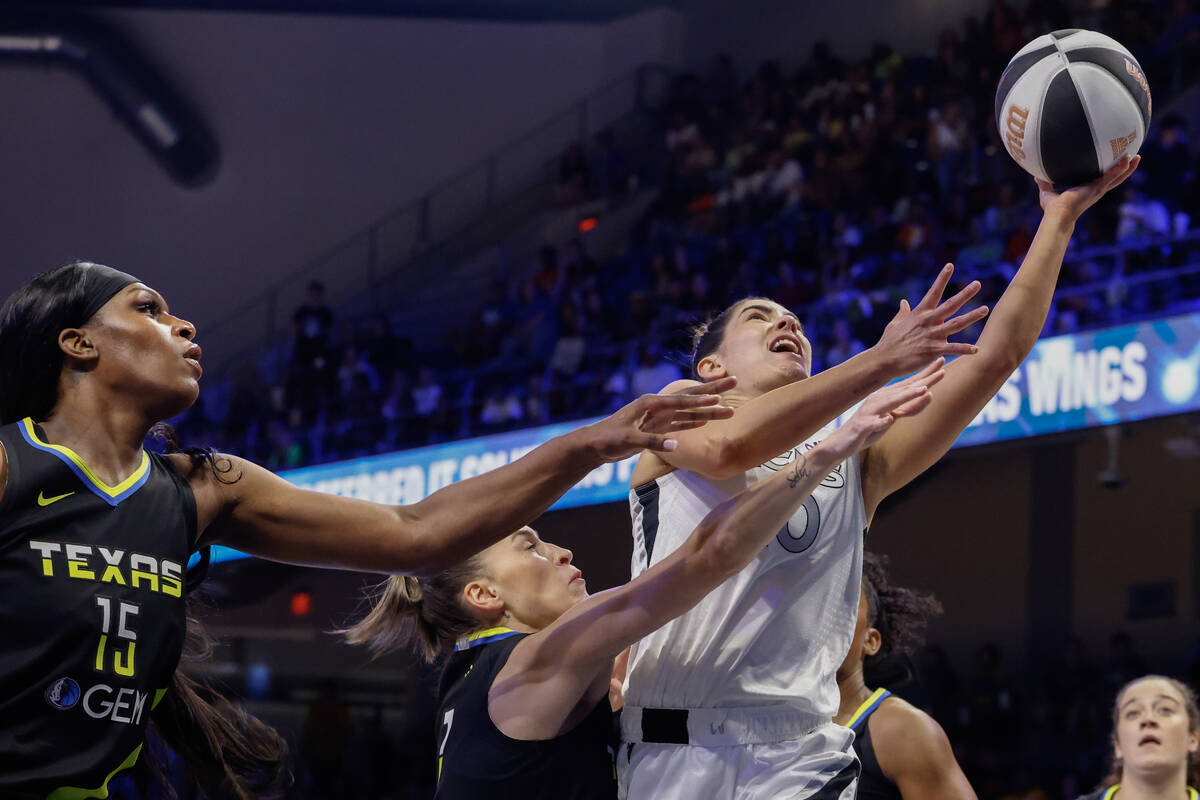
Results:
<point x="45" y="501"/>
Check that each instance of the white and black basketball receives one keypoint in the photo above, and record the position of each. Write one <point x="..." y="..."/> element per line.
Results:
<point x="1070" y="103"/>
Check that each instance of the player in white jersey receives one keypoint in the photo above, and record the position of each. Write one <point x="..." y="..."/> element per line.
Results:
<point x="735" y="699"/>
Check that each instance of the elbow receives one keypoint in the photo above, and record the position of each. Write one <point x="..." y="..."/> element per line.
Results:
<point x="726" y="459"/>
<point x="718" y="552"/>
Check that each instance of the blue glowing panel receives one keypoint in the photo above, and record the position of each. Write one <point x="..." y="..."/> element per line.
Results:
<point x="1068" y="382"/>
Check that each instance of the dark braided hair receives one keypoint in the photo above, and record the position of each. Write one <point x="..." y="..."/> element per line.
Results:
<point x="899" y="614"/>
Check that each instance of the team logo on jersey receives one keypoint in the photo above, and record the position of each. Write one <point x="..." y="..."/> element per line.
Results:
<point x="45" y="501"/>
<point x="834" y="480"/>
<point x="63" y="694"/>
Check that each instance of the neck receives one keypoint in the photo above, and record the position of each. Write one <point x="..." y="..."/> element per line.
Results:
<point x="854" y="693"/>
<point x="1153" y="785"/>
<point x="108" y="436"/>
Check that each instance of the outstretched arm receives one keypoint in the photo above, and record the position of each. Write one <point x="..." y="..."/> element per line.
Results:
<point x="913" y="445"/>
<point x="552" y="672"/>
<point x="264" y="515"/>
<point x="771" y="423"/>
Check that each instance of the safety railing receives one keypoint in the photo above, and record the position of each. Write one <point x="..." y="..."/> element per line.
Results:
<point x="418" y="242"/>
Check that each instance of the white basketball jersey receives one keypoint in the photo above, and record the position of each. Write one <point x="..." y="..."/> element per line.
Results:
<point x="776" y="632"/>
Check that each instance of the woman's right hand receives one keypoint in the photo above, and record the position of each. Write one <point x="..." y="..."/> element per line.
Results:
<point x="921" y="333"/>
<point x="881" y="409"/>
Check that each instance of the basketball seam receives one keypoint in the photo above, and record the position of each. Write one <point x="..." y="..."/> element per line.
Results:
<point x="1083" y="101"/>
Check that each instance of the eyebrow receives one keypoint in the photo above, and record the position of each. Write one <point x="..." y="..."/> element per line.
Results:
<point x="769" y="310"/>
<point x="162" y="301"/>
<point x="1155" y="700"/>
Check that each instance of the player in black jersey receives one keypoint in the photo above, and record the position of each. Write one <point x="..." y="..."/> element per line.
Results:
<point x="524" y="709"/>
<point x="1156" y="743"/>
<point x="904" y="752"/>
<point x="95" y="533"/>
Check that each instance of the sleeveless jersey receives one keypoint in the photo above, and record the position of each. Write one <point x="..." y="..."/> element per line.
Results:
<point x="476" y="760"/>
<point x="774" y="634"/>
<point x="872" y="783"/>
<point x="1108" y="793"/>
<point x="92" y="578"/>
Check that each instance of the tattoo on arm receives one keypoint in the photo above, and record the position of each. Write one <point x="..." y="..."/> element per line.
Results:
<point x="799" y="471"/>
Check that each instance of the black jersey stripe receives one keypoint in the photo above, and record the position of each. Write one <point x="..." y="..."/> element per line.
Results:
<point x="647" y="495"/>
<point x="1018" y="67"/>
<point x="1067" y="148"/>
<point x="1118" y="65"/>
<point x="833" y="790"/>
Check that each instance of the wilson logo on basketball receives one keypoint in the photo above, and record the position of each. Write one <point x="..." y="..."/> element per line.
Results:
<point x="1014" y="134"/>
<point x="1137" y="75"/>
<point x="1121" y="144"/>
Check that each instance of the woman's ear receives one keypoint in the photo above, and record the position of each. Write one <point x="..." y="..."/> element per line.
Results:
<point x="75" y="343"/>
<point x="710" y="368"/>
<point x="482" y="596"/>
<point x="872" y="641"/>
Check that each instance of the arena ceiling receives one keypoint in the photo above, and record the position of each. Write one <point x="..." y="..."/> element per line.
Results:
<point x="512" y="10"/>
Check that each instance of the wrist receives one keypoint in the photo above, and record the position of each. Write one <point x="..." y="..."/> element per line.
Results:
<point x="1060" y="220"/>
<point x="827" y="454"/>
<point x="582" y="448"/>
<point x="881" y="364"/>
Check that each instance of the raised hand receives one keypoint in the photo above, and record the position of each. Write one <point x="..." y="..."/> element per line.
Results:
<point x="882" y="408"/>
<point x="1074" y="201"/>
<point x="917" y="335"/>
<point x="648" y="422"/>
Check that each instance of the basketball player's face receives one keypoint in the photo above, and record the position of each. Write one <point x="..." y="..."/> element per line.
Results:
<point x="765" y="347"/>
<point x="535" y="579"/>
<point x="1152" y="728"/>
<point x="145" y="353"/>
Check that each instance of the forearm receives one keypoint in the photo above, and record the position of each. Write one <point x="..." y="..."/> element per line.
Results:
<point x="468" y="516"/>
<point x="736" y="531"/>
<point x="1017" y="319"/>
<point x="767" y="425"/>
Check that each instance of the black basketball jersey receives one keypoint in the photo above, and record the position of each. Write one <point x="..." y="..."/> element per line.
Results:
<point x="92" y="613"/>
<point x="1108" y="792"/>
<point x="872" y="783"/>
<point x="476" y="760"/>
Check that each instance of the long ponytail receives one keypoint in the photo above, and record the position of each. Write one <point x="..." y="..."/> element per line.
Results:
<point x="423" y="615"/>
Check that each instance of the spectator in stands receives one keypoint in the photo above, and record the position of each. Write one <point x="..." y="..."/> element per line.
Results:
<point x="844" y="344"/>
<point x="501" y="408"/>
<point x="311" y="325"/>
<point x="426" y="394"/>
<point x="1142" y="216"/>
<point x="398" y="409"/>
<point x="653" y="372"/>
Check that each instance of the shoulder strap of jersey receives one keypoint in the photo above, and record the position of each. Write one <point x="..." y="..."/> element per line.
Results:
<point x="867" y="708"/>
<point x="483" y="637"/>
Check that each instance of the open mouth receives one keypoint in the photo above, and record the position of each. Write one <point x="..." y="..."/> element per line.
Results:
<point x="1149" y="739"/>
<point x="786" y="343"/>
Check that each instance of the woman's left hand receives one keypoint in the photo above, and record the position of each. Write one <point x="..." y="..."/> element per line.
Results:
<point x="1074" y="201"/>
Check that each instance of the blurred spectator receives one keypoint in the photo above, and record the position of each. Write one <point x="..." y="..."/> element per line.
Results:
<point x="1142" y="216"/>
<point x="501" y="407"/>
<point x="426" y="394"/>
<point x="844" y="344"/>
<point x="311" y="326"/>
<point x="653" y="372"/>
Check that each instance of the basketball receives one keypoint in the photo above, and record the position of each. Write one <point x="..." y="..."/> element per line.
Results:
<point x="1070" y="103"/>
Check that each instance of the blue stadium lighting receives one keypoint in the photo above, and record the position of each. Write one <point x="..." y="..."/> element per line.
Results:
<point x="1180" y="380"/>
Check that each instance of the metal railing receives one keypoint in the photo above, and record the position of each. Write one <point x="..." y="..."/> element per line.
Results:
<point x="394" y="255"/>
